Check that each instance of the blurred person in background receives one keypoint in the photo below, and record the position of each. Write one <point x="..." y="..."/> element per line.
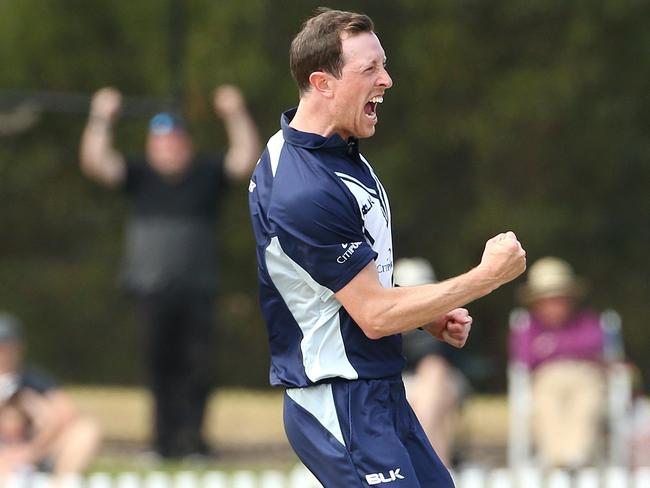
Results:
<point x="40" y="429"/>
<point x="435" y="384"/>
<point x="562" y="346"/>
<point x="170" y="249"/>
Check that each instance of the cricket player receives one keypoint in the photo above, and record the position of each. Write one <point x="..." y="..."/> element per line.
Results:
<point x="322" y="222"/>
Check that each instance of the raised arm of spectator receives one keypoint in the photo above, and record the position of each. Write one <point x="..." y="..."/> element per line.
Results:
<point x="385" y="311"/>
<point x="99" y="160"/>
<point x="243" y="139"/>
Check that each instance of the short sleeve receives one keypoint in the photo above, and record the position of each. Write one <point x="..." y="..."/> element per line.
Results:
<point x="38" y="381"/>
<point x="322" y="232"/>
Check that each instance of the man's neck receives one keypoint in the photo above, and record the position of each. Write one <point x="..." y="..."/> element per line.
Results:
<point x="312" y="118"/>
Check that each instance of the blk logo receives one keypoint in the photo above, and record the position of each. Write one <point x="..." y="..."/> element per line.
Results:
<point x="365" y="208"/>
<point x="378" y="478"/>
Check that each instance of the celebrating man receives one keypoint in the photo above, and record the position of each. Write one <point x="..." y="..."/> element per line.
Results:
<point x="323" y="228"/>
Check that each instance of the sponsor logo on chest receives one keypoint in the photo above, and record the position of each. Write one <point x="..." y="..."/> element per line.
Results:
<point x="366" y="207"/>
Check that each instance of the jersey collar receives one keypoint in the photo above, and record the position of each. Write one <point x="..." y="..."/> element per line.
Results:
<point x="310" y="140"/>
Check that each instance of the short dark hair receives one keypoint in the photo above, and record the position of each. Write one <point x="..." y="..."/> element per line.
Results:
<point x="317" y="47"/>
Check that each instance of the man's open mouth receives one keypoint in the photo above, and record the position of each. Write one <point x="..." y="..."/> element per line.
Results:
<point x="370" y="109"/>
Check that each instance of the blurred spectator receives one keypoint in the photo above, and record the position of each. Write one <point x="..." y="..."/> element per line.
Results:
<point x="170" y="260"/>
<point x="435" y="386"/>
<point x="563" y="348"/>
<point x="40" y="429"/>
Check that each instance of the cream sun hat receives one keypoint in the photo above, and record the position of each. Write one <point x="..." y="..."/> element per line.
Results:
<point x="551" y="277"/>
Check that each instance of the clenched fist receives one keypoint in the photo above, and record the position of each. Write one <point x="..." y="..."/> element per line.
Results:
<point x="453" y="328"/>
<point x="503" y="258"/>
<point x="228" y="100"/>
<point x="106" y="104"/>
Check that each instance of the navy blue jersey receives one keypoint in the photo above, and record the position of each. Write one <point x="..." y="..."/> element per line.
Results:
<point x="319" y="215"/>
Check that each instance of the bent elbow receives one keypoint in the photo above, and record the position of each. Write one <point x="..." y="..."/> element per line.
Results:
<point x="373" y="334"/>
<point x="374" y="328"/>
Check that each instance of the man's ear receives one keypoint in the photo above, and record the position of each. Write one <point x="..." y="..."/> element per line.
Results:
<point x="322" y="83"/>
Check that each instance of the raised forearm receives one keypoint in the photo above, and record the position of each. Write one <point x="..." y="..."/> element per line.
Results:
<point x="99" y="159"/>
<point x="380" y="311"/>
<point x="244" y="143"/>
<point x="386" y="311"/>
<point x="406" y="308"/>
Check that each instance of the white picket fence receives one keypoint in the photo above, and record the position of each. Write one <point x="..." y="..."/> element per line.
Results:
<point x="301" y="478"/>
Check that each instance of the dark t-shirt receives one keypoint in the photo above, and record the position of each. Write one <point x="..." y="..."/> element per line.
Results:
<point x="12" y="384"/>
<point x="36" y="380"/>
<point x="170" y="234"/>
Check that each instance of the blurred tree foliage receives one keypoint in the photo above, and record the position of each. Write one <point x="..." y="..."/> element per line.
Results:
<point x="531" y="116"/>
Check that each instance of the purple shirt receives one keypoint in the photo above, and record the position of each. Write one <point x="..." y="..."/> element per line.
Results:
<point x="579" y="339"/>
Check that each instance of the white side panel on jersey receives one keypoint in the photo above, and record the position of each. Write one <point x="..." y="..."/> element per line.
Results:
<point x="373" y="207"/>
<point x="275" y="147"/>
<point x="384" y="195"/>
<point x="352" y="179"/>
<point x="316" y="310"/>
<point x="319" y="401"/>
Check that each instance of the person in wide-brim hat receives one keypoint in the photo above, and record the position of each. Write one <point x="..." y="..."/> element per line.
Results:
<point x="551" y="277"/>
<point x="562" y="345"/>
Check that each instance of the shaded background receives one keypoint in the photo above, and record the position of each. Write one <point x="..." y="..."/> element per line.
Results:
<point x="531" y="116"/>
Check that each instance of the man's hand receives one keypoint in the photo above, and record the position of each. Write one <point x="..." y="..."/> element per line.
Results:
<point x="503" y="258"/>
<point x="106" y="104"/>
<point x="227" y="101"/>
<point x="453" y="328"/>
<point x="98" y="158"/>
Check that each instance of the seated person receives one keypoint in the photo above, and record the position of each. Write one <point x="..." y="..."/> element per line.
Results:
<point x="39" y="427"/>
<point x="562" y="346"/>
<point x="435" y="386"/>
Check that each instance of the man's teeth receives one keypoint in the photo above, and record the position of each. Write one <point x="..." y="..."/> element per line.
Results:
<point x="377" y="99"/>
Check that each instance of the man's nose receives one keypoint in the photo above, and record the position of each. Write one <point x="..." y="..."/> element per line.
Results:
<point x="385" y="80"/>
